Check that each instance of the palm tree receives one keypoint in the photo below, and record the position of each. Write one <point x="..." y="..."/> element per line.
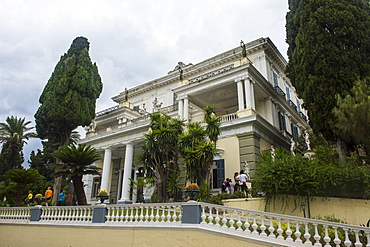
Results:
<point x="13" y="134"/>
<point x="198" y="147"/>
<point x="77" y="161"/>
<point x="192" y="137"/>
<point x="213" y="123"/>
<point x="22" y="177"/>
<point x="160" y="151"/>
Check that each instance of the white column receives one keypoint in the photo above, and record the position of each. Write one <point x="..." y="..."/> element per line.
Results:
<point x="88" y="179"/>
<point x="125" y="193"/>
<point x="106" y="169"/>
<point x="181" y="109"/>
<point x="253" y="104"/>
<point x="186" y="109"/>
<point x="247" y="87"/>
<point x="240" y="94"/>
<point x="269" y="111"/>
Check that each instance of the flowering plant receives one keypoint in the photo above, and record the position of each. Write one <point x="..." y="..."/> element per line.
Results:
<point x="103" y="193"/>
<point x="38" y="196"/>
<point x="192" y="186"/>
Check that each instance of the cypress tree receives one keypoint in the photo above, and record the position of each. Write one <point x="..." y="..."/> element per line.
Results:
<point x="69" y="97"/>
<point x="329" y="48"/>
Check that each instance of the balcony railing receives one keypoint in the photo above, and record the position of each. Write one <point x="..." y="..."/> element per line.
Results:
<point x="106" y="111"/>
<point x="265" y="227"/>
<point x="113" y="128"/>
<point x="166" y="110"/>
<point x="279" y="90"/>
<point x="303" y="116"/>
<point x="292" y="104"/>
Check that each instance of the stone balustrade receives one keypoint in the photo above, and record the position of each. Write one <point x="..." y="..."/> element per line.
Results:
<point x="15" y="214"/>
<point x="263" y="227"/>
<point x="144" y="214"/>
<point x="283" y="229"/>
<point x="69" y="214"/>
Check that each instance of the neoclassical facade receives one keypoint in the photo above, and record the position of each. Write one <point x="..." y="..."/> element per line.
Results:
<point x="256" y="101"/>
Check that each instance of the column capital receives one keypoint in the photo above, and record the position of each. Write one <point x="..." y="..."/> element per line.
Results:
<point x="181" y="97"/>
<point x="241" y="79"/>
<point x="127" y="143"/>
<point x="106" y="148"/>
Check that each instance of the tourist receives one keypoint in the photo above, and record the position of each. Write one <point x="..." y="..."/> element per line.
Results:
<point x="29" y="198"/>
<point x="236" y="181"/>
<point x="62" y="198"/>
<point x="231" y="186"/>
<point x="225" y="187"/>
<point x="243" y="182"/>
<point x="48" y="194"/>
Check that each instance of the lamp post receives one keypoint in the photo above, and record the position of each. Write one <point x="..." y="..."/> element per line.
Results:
<point x="140" y="184"/>
<point x="303" y="207"/>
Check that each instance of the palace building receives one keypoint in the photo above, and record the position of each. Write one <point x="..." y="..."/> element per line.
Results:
<point x="256" y="101"/>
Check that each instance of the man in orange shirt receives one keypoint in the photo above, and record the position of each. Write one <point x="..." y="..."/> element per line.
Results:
<point x="48" y="195"/>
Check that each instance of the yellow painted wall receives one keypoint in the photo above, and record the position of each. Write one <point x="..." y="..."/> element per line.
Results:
<point x="231" y="155"/>
<point x="46" y="236"/>
<point x="351" y="211"/>
<point x="264" y="145"/>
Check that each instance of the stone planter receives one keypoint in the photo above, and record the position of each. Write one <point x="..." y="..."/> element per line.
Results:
<point x="102" y="198"/>
<point x="190" y="194"/>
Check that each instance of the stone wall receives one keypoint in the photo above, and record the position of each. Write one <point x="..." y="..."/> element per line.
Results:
<point x="24" y="235"/>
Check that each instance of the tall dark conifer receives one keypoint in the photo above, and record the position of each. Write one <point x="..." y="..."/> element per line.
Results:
<point x="69" y="97"/>
<point x="329" y="48"/>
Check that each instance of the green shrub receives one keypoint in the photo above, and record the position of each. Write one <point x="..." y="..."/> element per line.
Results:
<point x="217" y="199"/>
<point x="324" y="175"/>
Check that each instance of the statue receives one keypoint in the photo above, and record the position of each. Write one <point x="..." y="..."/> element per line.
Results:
<point x="91" y="127"/>
<point x="244" y="49"/>
<point x="246" y="169"/>
<point x="126" y="94"/>
<point x="181" y="77"/>
<point x="307" y="139"/>
<point x="272" y="152"/>
<point x="157" y="106"/>
<point x="292" y="146"/>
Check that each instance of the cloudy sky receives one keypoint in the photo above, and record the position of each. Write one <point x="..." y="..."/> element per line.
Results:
<point x="132" y="41"/>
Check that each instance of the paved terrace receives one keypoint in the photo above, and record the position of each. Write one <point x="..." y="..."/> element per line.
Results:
<point x="170" y="224"/>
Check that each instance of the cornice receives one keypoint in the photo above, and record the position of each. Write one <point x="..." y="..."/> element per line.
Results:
<point x="197" y="70"/>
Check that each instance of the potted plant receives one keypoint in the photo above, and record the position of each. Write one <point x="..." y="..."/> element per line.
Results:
<point x="103" y="195"/>
<point x="191" y="192"/>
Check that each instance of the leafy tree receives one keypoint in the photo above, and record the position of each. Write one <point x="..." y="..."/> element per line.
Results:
<point x="22" y="177"/>
<point x="77" y="161"/>
<point x="160" y="151"/>
<point x="43" y="161"/>
<point x="14" y="133"/>
<point x="329" y="48"/>
<point x="353" y="114"/>
<point x="69" y="97"/>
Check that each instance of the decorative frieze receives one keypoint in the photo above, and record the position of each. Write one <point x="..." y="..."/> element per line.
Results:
<point x="212" y="73"/>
